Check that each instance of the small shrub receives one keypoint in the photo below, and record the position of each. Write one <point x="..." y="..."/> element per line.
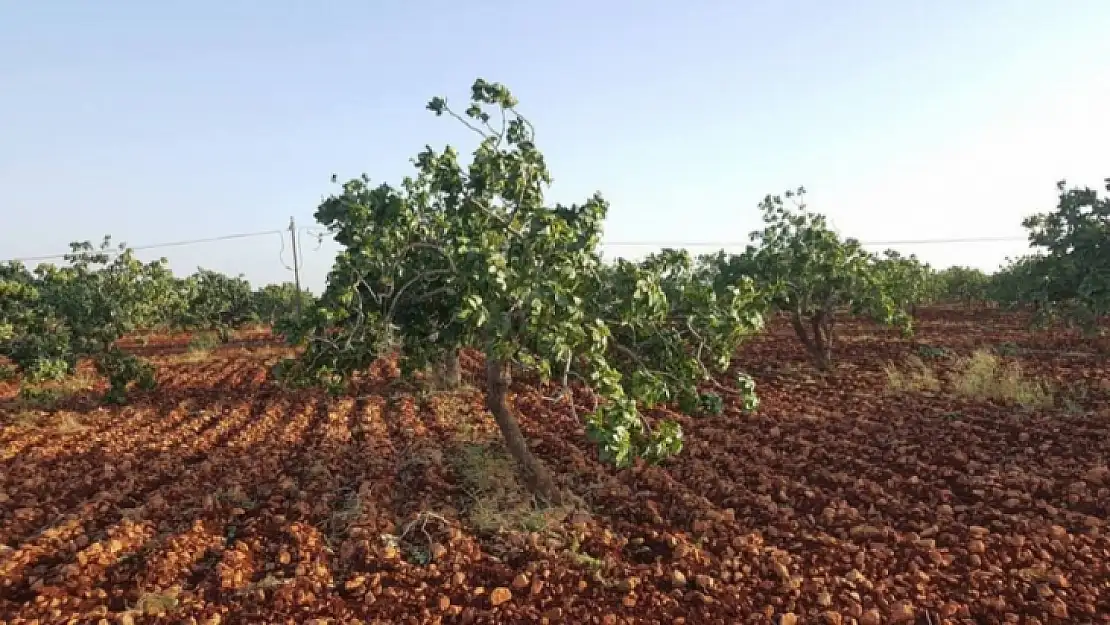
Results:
<point x="9" y="373"/>
<point x="40" y="396"/>
<point x="700" y="404"/>
<point x="983" y="376"/>
<point x="915" y="376"/>
<point x="203" y="341"/>
<point x="47" y="395"/>
<point x="47" y="370"/>
<point x="711" y="404"/>
<point x="931" y="352"/>
<point x="123" y="371"/>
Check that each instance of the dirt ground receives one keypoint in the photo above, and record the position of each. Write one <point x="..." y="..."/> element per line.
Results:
<point x="222" y="499"/>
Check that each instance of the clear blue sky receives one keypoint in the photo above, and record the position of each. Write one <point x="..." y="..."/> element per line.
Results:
<point x="162" y="121"/>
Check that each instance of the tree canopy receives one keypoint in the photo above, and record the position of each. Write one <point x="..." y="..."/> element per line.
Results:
<point x="474" y="256"/>
<point x="1074" y="245"/>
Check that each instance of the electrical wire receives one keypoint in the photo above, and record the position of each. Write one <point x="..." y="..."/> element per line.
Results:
<point x="152" y="246"/>
<point x="320" y="234"/>
<point x="869" y="243"/>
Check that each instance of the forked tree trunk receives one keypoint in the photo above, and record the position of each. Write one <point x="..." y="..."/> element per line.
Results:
<point x="536" y="477"/>
<point x="817" y="339"/>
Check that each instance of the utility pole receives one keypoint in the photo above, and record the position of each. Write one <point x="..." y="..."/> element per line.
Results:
<point x="296" y="266"/>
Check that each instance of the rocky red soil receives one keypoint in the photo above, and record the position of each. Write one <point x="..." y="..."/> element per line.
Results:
<point x="222" y="499"/>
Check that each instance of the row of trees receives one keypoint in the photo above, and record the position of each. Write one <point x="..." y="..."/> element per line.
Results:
<point x="54" y="316"/>
<point x="472" y="256"/>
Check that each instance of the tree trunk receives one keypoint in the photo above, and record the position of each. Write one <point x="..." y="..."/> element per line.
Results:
<point x="536" y="477"/>
<point x="800" y="330"/>
<point x="447" y="372"/>
<point x="822" y="339"/>
<point x="818" y="349"/>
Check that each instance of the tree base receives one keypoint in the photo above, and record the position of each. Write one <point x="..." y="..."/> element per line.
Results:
<point x="533" y="473"/>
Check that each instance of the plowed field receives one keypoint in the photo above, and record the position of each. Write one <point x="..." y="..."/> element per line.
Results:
<point x="222" y="499"/>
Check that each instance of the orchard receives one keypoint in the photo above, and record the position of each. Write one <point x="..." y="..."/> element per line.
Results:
<point x="483" y="419"/>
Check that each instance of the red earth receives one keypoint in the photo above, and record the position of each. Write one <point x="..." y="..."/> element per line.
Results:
<point x="220" y="498"/>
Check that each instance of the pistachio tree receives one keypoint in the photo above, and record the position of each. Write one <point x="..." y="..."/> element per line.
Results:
<point x="32" y="334"/>
<point x="909" y="281"/>
<point x="472" y="255"/>
<point x="273" y="302"/>
<point x="1022" y="282"/>
<point x="216" y="302"/>
<point x="1074" y="240"/>
<point x="966" y="285"/>
<point x="811" y="272"/>
<point x="58" y="315"/>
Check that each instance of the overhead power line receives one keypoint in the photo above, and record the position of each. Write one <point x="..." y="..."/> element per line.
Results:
<point x="154" y="246"/>
<point x="649" y="243"/>
<point x="869" y="243"/>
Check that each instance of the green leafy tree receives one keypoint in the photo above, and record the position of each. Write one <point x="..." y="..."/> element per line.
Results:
<point x="62" y="314"/>
<point x="1021" y="282"/>
<point x="965" y="285"/>
<point x="217" y="302"/>
<point x="1075" y="242"/>
<point x="811" y="272"/>
<point x="909" y="281"/>
<point x="472" y="256"/>
<point x="274" y="302"/>
<point x="32" y="335"/>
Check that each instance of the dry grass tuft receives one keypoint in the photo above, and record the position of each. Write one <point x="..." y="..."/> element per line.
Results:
<point x="915" y="376"/>
<point x="157" y="603"/>
<point x="983" y="376"/>
<point x="499" y="502"/>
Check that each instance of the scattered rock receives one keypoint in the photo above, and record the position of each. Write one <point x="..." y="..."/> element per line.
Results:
<point x="500" y="595"/>
<point x="866" y="532"/>
<point x="902" y="612"/>
<point x="781" y="571"/>
<point x="678" y="579"/>
<point x="1097" y="476"/>
<point x="704" y="582"/>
